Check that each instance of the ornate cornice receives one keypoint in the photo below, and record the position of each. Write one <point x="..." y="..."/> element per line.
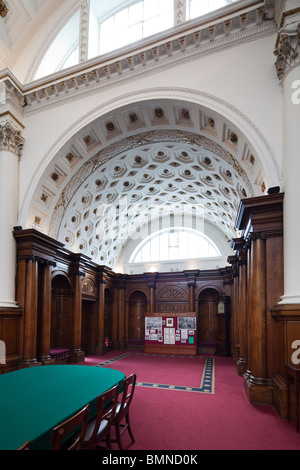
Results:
<point x="11" y="139"/>
<point x="287" y="51"/>
<point x="185" y="42"/>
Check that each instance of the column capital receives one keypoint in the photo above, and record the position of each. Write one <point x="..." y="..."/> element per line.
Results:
<point x="11" y="138"/>
<point x="3" y="9"/>
<point x="287" y="49"/>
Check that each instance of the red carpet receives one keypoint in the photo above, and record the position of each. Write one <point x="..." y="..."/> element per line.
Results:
<point x="183" y="420"/>
<point x="181" y="370"/>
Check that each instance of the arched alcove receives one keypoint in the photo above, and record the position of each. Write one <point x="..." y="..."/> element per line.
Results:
<point x="207" y="320"/>
<point x="137" y="168"/>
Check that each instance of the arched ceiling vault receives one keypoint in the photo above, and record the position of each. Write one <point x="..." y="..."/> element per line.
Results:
<point x="148" y="159"/>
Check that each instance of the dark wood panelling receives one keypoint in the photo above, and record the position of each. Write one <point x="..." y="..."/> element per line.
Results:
<point x="10" y="334"/>
<point x="260" y="220"/>
<point x="137" y="308"/>
<point x="89" y="327"/>
<point x="61" y="312"/>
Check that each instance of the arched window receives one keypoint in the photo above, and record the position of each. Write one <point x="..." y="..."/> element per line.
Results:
<point x="197" y="8"/>
<point x="137" y="21"/>
<point x="64" y="51"/>
<point x="174" y="244"/>
<point x="112" y="25"/>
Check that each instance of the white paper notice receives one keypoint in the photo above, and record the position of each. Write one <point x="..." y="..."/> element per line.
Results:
<point x="184" y="334"/>
<point x="169" y="336"/>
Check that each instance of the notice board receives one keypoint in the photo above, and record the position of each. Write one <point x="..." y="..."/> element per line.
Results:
<point x="171" y="333"/>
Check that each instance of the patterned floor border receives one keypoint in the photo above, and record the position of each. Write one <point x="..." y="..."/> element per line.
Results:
<point x="207" y="384"/>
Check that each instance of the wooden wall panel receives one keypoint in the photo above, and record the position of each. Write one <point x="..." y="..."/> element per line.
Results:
<point x="260" y="220"/>
<point x="172" y="298"/>
<point x="11" y="335"/>
<point x="93" y="302"/>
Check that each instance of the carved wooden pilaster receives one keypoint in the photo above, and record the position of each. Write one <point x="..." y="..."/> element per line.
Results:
<point x="44" y="319"/>
<point x="233" y="260"/>
<point x="191" y="276"/>
<point x="102" y="282"/>
<point x="239" y="246"/>
<point x="29" y="358"/>
<point x="77" y="352"/>
<point x="261" y="222"/>
<point x="152" y="291"/>
<point x="119" y="312"/>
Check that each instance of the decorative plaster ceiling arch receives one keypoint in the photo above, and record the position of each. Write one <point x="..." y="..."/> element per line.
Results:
<point x="189" y="120"/>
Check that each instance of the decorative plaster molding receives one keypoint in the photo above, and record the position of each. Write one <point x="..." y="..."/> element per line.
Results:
<point x="287" y="51"/>
<point x="3" y="9"/>
<point x="11" y="139"/>
<point x="185" y="43"/>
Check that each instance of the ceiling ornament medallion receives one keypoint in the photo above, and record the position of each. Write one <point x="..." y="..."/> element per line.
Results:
<point x="3" y="9"/>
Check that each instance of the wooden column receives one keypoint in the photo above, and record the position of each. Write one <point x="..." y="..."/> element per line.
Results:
<point x="123" y="331"/>
<point x="152" y="290"/>
<point x="233" y="260"/>
<point x="30" y="314"/>
<point x="100" y="315"/>
<point x="119" y="312"/>
<point x="242" y="361"/>
<point x="258" y="383"/>
<point x="239" y="245"/>
<point x="77" y="353"/>
<point x="44" y="320"/>
<point x="191" y="275"/>
<point x="261" y="221"/>
<point x="249" y="309"/>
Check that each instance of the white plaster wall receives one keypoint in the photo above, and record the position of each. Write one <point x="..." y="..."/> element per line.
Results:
<point x="240" y="82"/>
<point x="44" y="24"/>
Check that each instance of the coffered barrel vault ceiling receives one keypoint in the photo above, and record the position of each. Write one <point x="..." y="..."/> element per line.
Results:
<point x="151" y="158"/>
<point x="154" y="158"/>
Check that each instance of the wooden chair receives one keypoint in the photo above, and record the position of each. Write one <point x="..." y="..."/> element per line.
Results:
<point x="25" y="446"/>
<point x="63" y="430"/>
<point x="99" y="428"/>
<point x="122" y="410"/>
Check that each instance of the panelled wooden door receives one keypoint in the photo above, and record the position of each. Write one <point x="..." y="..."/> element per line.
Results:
<point x="108" y="312"/>
<point x="137" y="309"/>
<point x="61" y="314"/>
<point x="207" y="317"/>
<point x="89" y="327"/>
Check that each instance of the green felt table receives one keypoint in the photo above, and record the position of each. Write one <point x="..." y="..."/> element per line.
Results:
<point x="34" y="400"/>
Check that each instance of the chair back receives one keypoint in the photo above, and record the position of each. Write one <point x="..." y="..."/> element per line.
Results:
<point x="106" y="407"/>
<point x="128" y="391"/>
<point x="25" y="446"/>
<point x="64" y="429"/>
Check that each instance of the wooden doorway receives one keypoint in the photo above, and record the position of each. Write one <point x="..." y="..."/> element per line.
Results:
<point x="207" y="321"/>
<point x="137" y="307"/>
<point x="61" y="313"/>
<point x="89" y="327"/>
<point x="108" y="315"/>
